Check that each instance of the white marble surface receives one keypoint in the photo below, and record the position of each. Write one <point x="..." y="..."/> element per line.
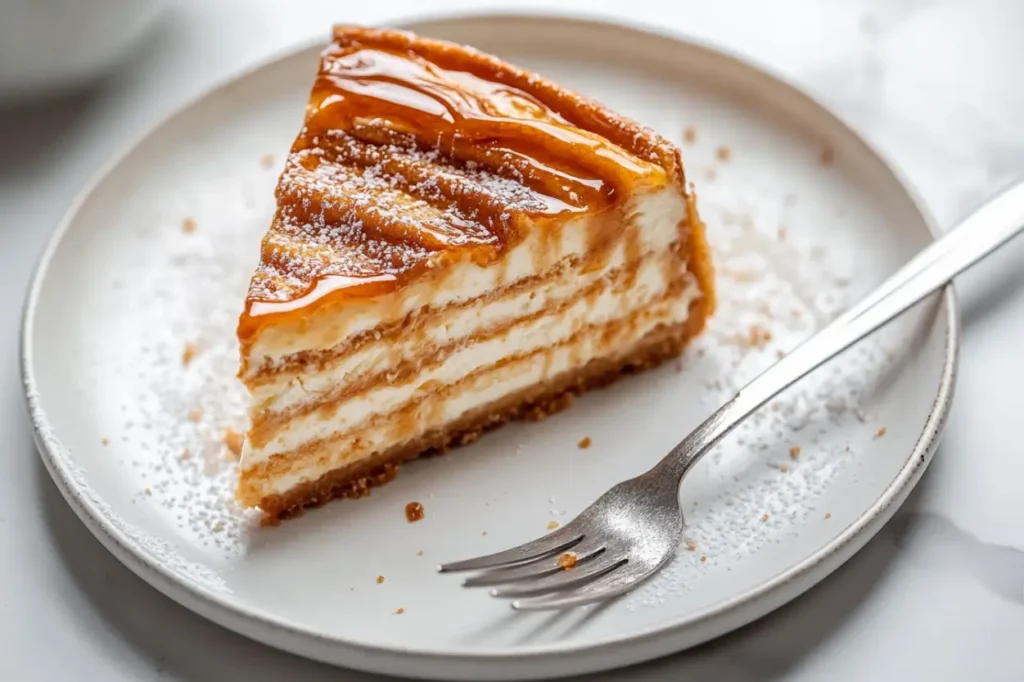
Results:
<point x="938" y="595"/>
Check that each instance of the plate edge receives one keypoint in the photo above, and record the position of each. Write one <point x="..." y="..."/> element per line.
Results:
<point x="195" y="597"/>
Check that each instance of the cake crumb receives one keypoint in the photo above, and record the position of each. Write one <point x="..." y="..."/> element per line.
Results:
<point x="148" y="491"/>
<point x="765" y="517"/>
<point x="186" y="454"/>
<point x="880" y="432"/>
<point x="419" y="553"/>
<point x="105" y="441"/>
<point x="188" y="354"/>
<point x="827" y="156"/>
<point x="195" y="415"/>
<point x="782" y="233"/>
<point x="552" y="525"/>
<point x="828" y="515"/>
<point x="267" y="160"/>
<point x="414" y="512"/>
<point x="703" y="558"/>
<point x="584" y="443"/>
<point x="567" y="561"/>
<point x="233" y="440"/>
<point x="758" y="336"/>
<point x="380" y="579"/>
<point x="780" y="354"/>
<point x="691" y="545"/>
<point x="689" y="134"/>
<point x="741" y="275"/>
<point x="188" y="225"/>
<point x="783" y="468"/>
<point x="483" y="534"/>
<point x="723" y="153"/>
<point x="710" y="174"/>
<point x="794" y="452"/>
<point x="399" y="612"/>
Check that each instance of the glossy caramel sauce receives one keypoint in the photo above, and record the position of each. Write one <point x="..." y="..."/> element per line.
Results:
<point x="415" y="154"/>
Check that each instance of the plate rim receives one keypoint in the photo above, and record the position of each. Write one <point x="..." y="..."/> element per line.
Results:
<point x="534" y="660"/>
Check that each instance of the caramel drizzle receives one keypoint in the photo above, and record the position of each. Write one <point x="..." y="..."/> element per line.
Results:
<point x="467" y="117"/>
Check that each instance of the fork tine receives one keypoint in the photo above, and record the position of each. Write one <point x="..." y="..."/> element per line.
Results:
<point x="530" y="571"/>
<point x="559" y="541"/>
<point x="612" y="584"/>
<point x="563" y="580"/>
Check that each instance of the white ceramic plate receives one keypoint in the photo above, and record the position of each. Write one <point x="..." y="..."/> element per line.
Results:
<point x="803" y="217"/>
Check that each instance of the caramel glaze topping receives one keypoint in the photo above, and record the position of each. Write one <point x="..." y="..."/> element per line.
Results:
<point x="416" y="153"/>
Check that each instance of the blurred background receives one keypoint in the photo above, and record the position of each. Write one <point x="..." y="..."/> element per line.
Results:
<point x="934" y="84"/>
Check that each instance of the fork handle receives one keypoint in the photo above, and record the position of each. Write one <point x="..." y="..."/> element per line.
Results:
<point x="935" y="266"/>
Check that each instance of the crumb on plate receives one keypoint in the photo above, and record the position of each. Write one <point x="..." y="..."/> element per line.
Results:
<point x="195" y="415"/>
<point x="188" y="354"/>
<point x="765" y="517"/>
<point x="690" y="134"/>
<point x="828" y="515"/>
<point x="552" y="525"/>
<point x="794" y="452"/>
<point x="233" y="440"/>
<point x="880" y="432"/>
<point x="827" y="156"/>
<point x="188" y="225"/>
<point x="414" y="512"/>
<point x="400" y="611"/>
<point x="584" y="443"/>
<point x="758" y="336"/>
<point x="267" y="160"/>
<point x="723" y="153"/>
<point x="380" y="579"/>
<point x="567" y="561"/>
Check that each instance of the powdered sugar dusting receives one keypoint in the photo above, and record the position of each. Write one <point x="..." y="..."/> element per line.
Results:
<point x="776" y="288"/>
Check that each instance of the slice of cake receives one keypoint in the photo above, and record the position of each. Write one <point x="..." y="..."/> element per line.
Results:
<point x="458" y="242"/>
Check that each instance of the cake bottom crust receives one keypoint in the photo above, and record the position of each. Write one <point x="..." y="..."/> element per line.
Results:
<point x="534" y="403"/>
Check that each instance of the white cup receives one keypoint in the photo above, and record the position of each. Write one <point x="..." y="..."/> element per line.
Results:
<point x="50" y="45"/>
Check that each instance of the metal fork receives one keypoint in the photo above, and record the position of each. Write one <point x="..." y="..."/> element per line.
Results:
<point x="636" y="527"/>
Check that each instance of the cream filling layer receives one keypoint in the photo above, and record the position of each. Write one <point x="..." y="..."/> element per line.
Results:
<point x="650" y="284"/>
<point x="655" y="217"/>
<point x="289" y="389"/>
<point x="479" y="391"/>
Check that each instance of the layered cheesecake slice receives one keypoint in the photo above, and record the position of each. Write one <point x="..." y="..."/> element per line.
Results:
<point x="458" y="242"/>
